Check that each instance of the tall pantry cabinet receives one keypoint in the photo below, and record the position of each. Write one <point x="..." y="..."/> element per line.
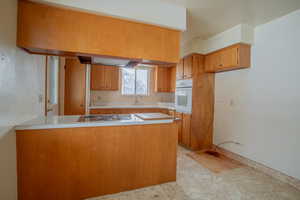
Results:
<point x="197" y="128"/>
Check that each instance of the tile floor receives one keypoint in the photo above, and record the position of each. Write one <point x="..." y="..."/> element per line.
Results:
<point x="195" y="182"/>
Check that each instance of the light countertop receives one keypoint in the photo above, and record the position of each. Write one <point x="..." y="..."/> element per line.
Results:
<point x="52" y="122"/>
<point x="169" y="106"/>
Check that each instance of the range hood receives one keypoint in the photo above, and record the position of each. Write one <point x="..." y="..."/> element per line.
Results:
<point x="119" y="62"/>
<point x="116" y="61"/>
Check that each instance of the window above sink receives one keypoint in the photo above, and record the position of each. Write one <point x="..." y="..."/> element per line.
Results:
<point x="135" y="81"/>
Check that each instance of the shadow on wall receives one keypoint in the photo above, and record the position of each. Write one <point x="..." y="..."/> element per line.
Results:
<point x="8" y="163"/>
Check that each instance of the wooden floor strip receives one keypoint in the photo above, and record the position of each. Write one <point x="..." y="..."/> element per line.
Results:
<point x="216" y="164"/>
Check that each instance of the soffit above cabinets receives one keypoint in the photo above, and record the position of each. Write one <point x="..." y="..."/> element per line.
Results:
<point x="46" y="29"/>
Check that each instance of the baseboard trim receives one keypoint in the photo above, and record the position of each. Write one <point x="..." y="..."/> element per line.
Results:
<point x="260" y="167"/>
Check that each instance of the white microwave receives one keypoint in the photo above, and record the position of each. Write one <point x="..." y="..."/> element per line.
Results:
<point x="183" y="96"/>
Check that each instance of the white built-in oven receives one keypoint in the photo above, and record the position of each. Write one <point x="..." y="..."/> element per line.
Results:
<point x="183" y="96"/>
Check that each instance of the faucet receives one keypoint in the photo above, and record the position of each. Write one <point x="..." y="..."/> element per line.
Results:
<point x="136" y="100"/>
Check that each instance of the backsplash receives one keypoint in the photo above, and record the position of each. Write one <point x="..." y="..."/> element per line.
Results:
<point x="116" y="97"/>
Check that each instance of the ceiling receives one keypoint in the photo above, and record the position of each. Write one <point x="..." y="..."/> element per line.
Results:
<point x="206" y="18"/>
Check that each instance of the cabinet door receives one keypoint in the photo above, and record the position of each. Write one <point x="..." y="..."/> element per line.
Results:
<point x="162" y="79"/>
<point x="188" y="67"/>
<point x="115" y="78"/>
<point x="111" y="78"/>
<point x="172" y="79"/>
<point x="158" y="79"/>
<point x="167" y="79"/>
<point x="179" y="124"/>
<point x="229" y="57"/>
<point x="75" y="83"/>
<point x="98" y="77"/>
<point x="179" y="70"/>
<point x="104" y="77"/>
<point x="213" y="62"/>
<point x="186" y="129"/>
<point x="208" y="62"/>
<point x="107" y="77"/>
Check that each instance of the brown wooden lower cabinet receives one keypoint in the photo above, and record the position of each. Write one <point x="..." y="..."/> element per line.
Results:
<point x="79" y="163"/>
<point x="186" y="129"/>
<point x="127" y="110"/>
<point x="179" y="124"/>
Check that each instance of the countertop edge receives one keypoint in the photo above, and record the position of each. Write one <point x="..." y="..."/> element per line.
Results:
<point x="90" y="124"/>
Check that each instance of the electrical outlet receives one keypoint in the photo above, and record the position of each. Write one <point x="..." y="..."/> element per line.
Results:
<point x="3" y="57"/>
<point x="41" y="97"/>
<point x="232" y="103"/>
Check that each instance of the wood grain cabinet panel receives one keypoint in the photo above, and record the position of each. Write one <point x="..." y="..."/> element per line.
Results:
<point x="165" y="79"/>
<point x="47" y="29"/>
<point x="173" y="79"/>
<point x="179" y="124"/>
<point x="230" y="58"/>
<point x="197" y="129"/>
<point x="104" y="77"/>
<point x="186" y="130"/>
<point x="75" y="85"/>
<point x="80" y="163"/>
<point x="212" y="61"/>
<point x="179" y="70"/>
<point x="188" y="67"/>
<point x="184" y="69"/>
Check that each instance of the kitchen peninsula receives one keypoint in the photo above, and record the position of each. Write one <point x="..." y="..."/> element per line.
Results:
<point x="76" y="157"/>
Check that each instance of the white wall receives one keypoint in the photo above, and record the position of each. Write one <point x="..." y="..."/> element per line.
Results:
<point x="151" y="12"/>
<point x="21" y="85"/>
<point x="241" y="33"/>
<point x="260" y="107"/>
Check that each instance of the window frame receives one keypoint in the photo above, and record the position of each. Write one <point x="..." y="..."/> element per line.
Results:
<point x="53" y="75"/>
<point x="135" y="82"/>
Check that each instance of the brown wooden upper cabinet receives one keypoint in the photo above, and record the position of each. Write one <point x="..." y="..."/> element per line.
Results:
<point x="173" y="79"/>
<point x="48" y="29"/>
<point x="165" y="80"/>
<point x="104" y="77"/>
<point x="184" y="69"/>
<point x="230" y="58"/>
<point x="188" y="67"/>
<point x="75" y="86"/>
<point x="179" y="70"/>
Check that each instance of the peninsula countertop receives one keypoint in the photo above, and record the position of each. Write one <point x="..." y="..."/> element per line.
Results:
<point x="52" y="122"/>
